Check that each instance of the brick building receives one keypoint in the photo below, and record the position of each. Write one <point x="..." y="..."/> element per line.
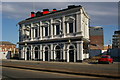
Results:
<point x="7" y="49"/>
<point x="96" y="38"/>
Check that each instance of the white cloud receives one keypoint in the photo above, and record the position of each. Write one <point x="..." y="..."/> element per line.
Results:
<point x="60" y="0"/>
<point x="100" y="13"/>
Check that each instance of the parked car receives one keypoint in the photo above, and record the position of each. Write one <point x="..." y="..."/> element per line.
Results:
<point x="105" y="59"/>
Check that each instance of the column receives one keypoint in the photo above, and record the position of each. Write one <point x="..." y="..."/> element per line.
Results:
<point x="63" y="25"/>
<point x="54" y="29"/>
<point x="51" y="26"/>
<point x="78" y="22"/>
<point x="41" y="58"/>
<point x="81" y="51"/>
<point x="74" y="27"/>
<point x="52" y="52"/>
<point x="38" y="29"/>
<point x="25" y="53"/>
<point x="78" y="51"/>
<point x="41" y="31"/>
<point x="23" y="32"/>
<point x="44" y="53"/>
<point x="67" y="27"/>
<point x="81" y="23"/>
<point x="34" y="33"/>
<point x="22" y="53"/>
<point x="31" y="31"/>
<point x="49" y="54"/>
<point x="87" y="27"/>
<point x="67" y="55"/>
<point x="31" y="52"/>
<point x="64" y="52"/>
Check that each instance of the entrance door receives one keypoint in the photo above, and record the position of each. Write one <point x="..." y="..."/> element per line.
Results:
<point x="36" y="53"/>
<point x="57" y="53"/>
<point x="71" y="54"/>
<point x="28" y="54"/>
<point x="46" y="54"/>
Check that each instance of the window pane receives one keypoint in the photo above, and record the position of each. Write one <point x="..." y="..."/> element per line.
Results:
<point x="46" y="31"/>
<point x="36" y="33"/>
<point x="70" y="27"/>
<point x="57" y="29"/>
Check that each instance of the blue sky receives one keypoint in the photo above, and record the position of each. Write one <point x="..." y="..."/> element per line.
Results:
<point x="103" y="14"/>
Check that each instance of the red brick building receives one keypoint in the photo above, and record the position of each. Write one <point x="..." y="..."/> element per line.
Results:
<point x="7" y="49"/>
<point x="96" y="38"/>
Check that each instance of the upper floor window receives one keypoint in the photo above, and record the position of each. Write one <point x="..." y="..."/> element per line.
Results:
<point x="70" y="24"/>
<point x="36" y="33"/>
<point x="70" y="27"/>
<point x="46" y="31"/>
<point x="57" y="26"/>
<point x="57" y="29"/>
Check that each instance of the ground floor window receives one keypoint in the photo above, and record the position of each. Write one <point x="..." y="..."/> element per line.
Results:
<point x="36" y="53"/>
<point x="58" y="53"/>
<point x="46" y="54"/>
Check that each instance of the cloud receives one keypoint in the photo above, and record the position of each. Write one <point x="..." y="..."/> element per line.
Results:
<point x="101" y="13"/>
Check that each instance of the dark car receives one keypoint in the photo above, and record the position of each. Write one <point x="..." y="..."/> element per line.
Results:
<point x="105" y="59"/>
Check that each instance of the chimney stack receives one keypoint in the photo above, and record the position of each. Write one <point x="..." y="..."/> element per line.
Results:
<point x="32" y="14"/>
<point x="54" y="9"/>
<point x="46" y="11"/>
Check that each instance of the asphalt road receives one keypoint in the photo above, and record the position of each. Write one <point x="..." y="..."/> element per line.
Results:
<point x="110" y="69"/>
<point x="16" y="74"/>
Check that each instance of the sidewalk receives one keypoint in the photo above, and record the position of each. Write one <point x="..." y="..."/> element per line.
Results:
<point x="105" y="70"/>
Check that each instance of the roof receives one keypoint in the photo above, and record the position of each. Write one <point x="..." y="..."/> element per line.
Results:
<point x="51" y="13"/>
<point x="117" y="32"/>
<point x="6" y="43"/>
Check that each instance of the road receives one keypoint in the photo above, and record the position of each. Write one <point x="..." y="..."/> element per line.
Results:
<point x="100" y="69"/>
<point x="15" y="73"/>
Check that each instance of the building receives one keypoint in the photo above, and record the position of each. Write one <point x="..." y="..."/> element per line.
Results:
<point x="61" y="35"/>
<point x="115" y="51"/>
<point x="116" y="39"/>
<point x="96" y="41"/>
<point x="96" y="38"/>
<point x="7" y="50"/>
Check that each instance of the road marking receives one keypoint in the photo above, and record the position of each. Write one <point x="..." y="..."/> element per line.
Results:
<point x="77" y="76"/>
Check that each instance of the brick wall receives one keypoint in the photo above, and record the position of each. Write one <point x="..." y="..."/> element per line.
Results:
<point x="5" y="48"/>
<point x="97" y="40"/>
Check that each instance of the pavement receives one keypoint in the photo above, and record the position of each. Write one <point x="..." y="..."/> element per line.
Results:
<point x="101" y="70"/>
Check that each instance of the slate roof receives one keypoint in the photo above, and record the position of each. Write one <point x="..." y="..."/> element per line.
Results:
<point x="6" y="43"/>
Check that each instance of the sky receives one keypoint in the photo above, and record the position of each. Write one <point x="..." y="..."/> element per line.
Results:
<point x="103" y="14"/>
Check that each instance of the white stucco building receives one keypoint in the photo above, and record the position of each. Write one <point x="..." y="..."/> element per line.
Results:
<point x="57" y="36"/>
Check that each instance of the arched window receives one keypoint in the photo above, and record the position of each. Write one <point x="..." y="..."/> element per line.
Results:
<point x="46" y="53"/>
<point x="57" y="29"/>
<point x="70" y="24"/>
<point x="46" y="28"/>
<point x="36" y="53"/>
<point x="46" y="31"/>
<point x="36" y="30"/>
<point x="58" y="53"/>
<point x="28" y="54"/>
<point x="57" y="26"/>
